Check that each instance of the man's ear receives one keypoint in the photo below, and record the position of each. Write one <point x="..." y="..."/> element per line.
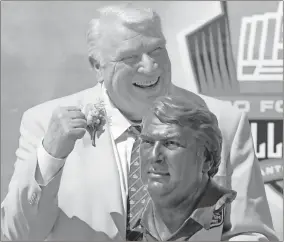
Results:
<point x="95" y="64"/>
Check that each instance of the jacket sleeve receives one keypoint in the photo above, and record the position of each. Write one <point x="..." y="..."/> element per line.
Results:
<point x="29" y="210"/>
<point x="248" y="217"/>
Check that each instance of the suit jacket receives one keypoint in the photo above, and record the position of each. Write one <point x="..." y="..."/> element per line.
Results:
<point x="75" y="204"/>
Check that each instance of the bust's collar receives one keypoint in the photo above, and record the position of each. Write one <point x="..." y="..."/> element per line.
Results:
<point x="211" y="204"/>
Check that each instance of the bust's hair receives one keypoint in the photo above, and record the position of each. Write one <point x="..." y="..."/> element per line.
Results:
<point x="203" y="123"/>
<point x="130" y="16"/>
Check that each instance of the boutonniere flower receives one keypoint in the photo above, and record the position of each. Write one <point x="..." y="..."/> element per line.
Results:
<point x="96" y="119"/>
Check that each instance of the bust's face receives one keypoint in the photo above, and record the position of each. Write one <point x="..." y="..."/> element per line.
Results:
<point x="137" y="67"/>
<point x="170" y="165"/>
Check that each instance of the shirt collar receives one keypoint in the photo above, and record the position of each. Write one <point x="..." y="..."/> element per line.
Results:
<point x="118" y="122"/>
<point x="213" y="200"/>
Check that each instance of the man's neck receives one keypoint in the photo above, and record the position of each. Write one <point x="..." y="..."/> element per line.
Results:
<point x="168" y="219"/>
<point x="134" y="117"/>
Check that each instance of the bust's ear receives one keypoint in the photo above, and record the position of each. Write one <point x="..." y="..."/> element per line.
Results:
<point x="95" y="65"/>
<point x="207" y="161"/>
<point x="207" y="165"/>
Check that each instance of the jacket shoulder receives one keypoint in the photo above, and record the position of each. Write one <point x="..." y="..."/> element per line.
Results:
<point x="221" y="108"/>
<point x="229" y="118"/>
<point x="74" y="99"/>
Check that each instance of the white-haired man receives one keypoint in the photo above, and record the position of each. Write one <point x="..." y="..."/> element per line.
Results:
<point x="63" y="188"/>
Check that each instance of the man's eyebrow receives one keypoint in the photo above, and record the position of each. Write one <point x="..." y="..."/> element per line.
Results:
<point x="126" y="51"/>
<point x="159" y="42"/>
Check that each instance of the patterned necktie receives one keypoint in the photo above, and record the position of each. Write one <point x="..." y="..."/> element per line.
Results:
<point x="137" y="194"/>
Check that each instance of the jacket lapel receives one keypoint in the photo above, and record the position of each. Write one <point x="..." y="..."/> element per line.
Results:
<point x="90" y="185"/>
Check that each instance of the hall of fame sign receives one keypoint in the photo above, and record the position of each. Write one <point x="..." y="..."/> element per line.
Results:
<point x="251" y="80"/>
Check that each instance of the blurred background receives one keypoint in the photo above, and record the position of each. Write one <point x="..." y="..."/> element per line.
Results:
<point x="230" y="50"/>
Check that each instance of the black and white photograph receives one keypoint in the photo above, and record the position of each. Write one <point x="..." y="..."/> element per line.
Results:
<point x="142" y="120"/>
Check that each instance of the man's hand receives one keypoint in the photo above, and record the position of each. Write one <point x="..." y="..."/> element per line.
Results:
<point x="67" y="124"/>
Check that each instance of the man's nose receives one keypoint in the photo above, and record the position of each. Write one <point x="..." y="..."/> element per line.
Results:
<point x="147" y="64"/>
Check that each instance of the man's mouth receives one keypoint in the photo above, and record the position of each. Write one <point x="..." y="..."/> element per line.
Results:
<point x="147" y="84"/>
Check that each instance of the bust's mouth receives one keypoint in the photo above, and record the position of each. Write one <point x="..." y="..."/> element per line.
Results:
<point x="155" y="172"/>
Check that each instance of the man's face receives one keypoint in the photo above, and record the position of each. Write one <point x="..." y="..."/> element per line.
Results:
<point x="170" y="164"/>
<point x="137" y="69"/>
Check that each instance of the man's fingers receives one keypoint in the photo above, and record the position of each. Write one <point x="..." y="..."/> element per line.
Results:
<point x="76" y="115"/>
<point x="73" y="108"/>
<point x="79" y="123"/>
<point x="78" y="133"/>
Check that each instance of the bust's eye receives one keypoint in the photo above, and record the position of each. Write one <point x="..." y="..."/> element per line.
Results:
<point x="146" y="141"/>
<point x="172" y="144"/>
